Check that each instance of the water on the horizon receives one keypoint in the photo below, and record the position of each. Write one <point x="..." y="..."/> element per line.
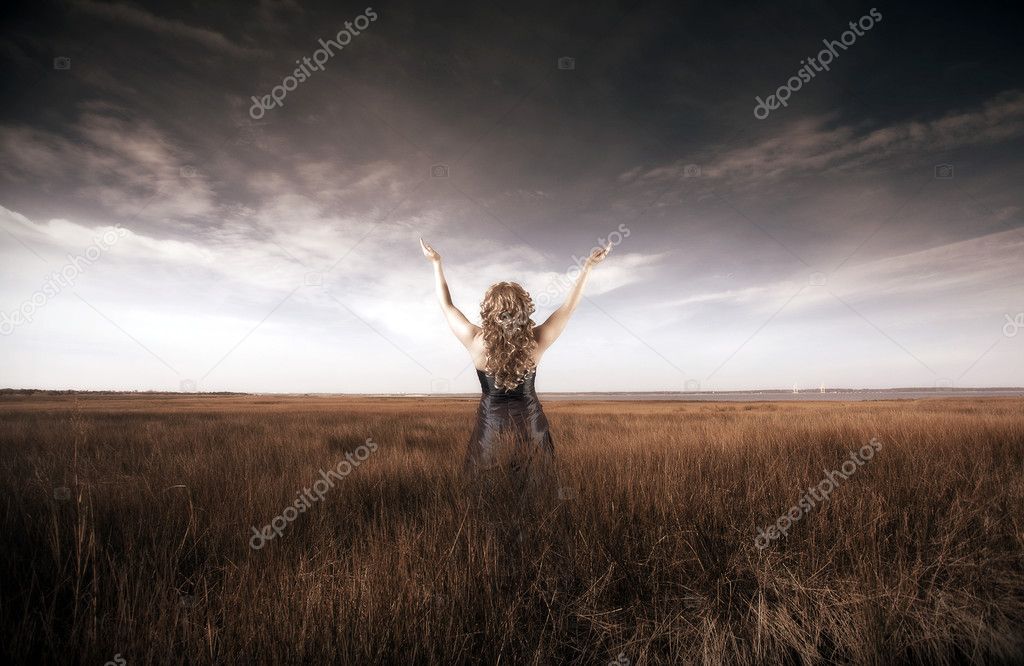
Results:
<point x="839" y="395"/>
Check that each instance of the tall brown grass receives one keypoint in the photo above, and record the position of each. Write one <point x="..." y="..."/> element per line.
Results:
<point x="642" y="547"/>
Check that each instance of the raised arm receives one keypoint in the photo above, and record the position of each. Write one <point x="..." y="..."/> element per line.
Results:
<point x="463" y="329"/>
<point x="549" y="331"/>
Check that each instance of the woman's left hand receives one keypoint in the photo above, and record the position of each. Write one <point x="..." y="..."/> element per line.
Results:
<point x="429" y="252"/>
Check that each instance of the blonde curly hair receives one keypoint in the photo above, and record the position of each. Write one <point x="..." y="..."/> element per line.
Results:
<point x="508" y="333"/>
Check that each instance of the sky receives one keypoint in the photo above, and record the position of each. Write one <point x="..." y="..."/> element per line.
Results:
<point x="229" y="196"/>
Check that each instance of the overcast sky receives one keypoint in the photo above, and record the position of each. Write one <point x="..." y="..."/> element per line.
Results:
<point x="823" y="244"/>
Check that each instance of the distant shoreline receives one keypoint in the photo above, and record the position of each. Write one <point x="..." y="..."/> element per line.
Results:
<point x="765" y="395"/>
<point x="777" y="395"/>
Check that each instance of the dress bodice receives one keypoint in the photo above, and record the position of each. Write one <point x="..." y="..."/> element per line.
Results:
<point x="526" y="388"/>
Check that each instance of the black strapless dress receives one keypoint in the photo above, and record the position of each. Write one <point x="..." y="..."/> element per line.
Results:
<point x="509" y="417"/>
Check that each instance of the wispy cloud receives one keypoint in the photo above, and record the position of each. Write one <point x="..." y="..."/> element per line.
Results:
<point x="814" y="145"/>
<point x="140" y="18"/>
<point x="123" y="165"/>
<point x="976" y="276"/>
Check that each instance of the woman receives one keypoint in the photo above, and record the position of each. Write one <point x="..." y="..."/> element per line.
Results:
<point x="506" y="349"/>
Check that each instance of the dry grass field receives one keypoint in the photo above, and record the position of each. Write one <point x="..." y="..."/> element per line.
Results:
<point x="128" y="523"/>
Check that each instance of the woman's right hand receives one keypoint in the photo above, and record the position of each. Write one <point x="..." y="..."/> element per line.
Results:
<point x="429" y="252"/>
